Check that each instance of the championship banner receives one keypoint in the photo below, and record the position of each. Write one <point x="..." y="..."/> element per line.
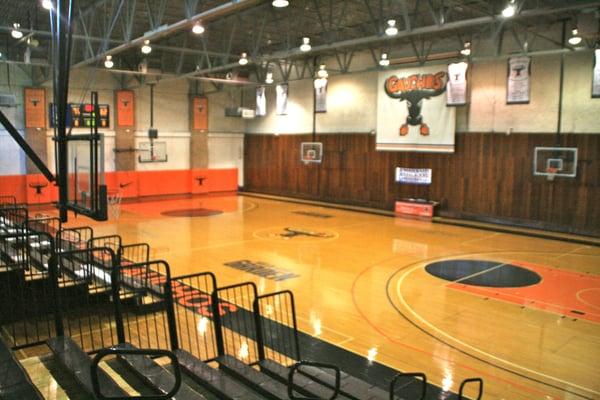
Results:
<point x="35" y="108"/>
<point x="282" y="99"/>
<point x="320" y="95"/>
<point x="518" y="85"/>
<point x="456" y="91"/>
<point x="261" y="102"/>
<point x="596" y="77"/>
<point x="412" y="113"/>
<point x="415" y="176"/>
<point x="125" y="105"/>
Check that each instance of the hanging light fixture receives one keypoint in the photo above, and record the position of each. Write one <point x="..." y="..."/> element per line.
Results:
<point x="305" y="46"/>
<point x="322" y="73"/>
<point x="198" y="29"/>
<point x="280" y="3"/>
<point x="47" y="4"/>
<point x="575" y="39"/>
<point x="384" y="61"/>
<point x="466" y="50"/>
<point x="146" y="49"/>
<point x="269" y="78"/>
<point x="391" y="29"/>
<point x="243" y="59"/>
<point x="16" y="31"/>
<point x="108" y="62"/>
<point x="510" y="9"/>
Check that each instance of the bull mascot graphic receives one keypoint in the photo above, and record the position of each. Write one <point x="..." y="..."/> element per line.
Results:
<point x="414" y="89"/>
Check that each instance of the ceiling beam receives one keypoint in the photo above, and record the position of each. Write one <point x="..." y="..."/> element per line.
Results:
<point x="162" y="32"/>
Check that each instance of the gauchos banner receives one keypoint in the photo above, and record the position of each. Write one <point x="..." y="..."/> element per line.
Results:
<point x="412" y="113"/>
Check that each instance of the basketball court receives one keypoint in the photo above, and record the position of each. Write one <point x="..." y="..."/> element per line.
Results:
<point x="300" y="200"/>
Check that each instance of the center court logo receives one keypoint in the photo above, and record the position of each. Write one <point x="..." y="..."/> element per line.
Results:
<point x="414" y="89"/>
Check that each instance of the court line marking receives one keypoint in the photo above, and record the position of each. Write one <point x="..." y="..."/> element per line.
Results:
<point x="481" y="238"/>
<point x="578" y="296"/>
<point x="572" y="251"/>
<point x="485" y="271"/>
<point x="477" y="350"/>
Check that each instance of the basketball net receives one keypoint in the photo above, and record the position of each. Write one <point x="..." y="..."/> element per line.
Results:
<point x="551" y="173"/>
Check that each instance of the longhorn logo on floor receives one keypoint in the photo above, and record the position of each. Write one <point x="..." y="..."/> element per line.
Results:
<point x="289" y="233"/>
<point x="262" y="269"/>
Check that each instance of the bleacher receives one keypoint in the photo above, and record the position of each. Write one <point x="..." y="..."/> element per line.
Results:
<point x="118" y="325"/>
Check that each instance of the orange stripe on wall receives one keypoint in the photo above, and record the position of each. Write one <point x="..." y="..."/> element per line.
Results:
<point x="131" y="184"/>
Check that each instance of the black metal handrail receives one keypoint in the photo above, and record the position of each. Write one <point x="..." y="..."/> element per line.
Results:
<point x="138" y="352"/>
<point x="409" y="375"/>
<point x="464" y="383"/>
<point x="296" y="367"/>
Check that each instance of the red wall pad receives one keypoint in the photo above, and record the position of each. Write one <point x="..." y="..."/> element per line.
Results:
<point x="14" y="185"/>
<point x="39" y="190"/>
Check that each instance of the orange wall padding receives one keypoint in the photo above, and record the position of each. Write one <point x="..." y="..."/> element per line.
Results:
<point x="131" y="184"/>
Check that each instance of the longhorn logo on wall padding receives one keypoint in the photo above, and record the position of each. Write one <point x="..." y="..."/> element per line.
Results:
<point x="414" y="89"/>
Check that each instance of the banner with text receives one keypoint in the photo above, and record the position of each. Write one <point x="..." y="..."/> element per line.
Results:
<point x="518" y="85"/>
<point x="412" y="113"/>
<point x="456" y="94"/>
<point x="596" y="78"/>
<point x="416" y="176"/>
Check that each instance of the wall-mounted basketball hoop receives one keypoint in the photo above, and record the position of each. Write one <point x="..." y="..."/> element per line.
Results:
<point x="553" y="162"/>
<point x="311" y="152"/>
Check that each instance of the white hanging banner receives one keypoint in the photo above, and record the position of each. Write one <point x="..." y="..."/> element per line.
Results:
<point x="596" y="78"/>
<point x="519" y="83"/>
<point x="456" y="91"/>
<point x="412" y="113"/>
<point x="261" y="102"/>
<point x="416" y="176"/>
<point x="321" y="95"/>
<point x="282" y="98"/>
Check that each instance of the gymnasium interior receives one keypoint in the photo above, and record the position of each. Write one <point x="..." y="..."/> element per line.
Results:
<point x="299" y="199"/>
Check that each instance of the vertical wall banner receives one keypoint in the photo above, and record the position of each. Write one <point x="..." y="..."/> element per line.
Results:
<point x="125" y="105"/>
<point x="456" y="92"/>
<point x="282" y="98"/>
<point x="596" y="77"/>
<point x="320" y="95"/>
<point x="200" y="114"/>
<point x="261" y="101"/>
<point x="412" y="113"/>
<point x="35" y="108"/>
<point x="519" y="80"/>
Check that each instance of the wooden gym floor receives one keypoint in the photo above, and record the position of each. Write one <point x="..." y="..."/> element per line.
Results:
<point x="360" y="282"/>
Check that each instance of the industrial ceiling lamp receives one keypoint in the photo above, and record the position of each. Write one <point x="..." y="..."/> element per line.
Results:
<point x="466" y="50"/>
<point x="108" y="62"/>
<point x="510" y="10"/>
<point x="16" y="31"/>
<point x="391" y="29"/>
<point x="575" y="39"/>
<point x="146" y="49"/>
<point x="269" y="78"/>
<point x="280" y="3"/>
<point x="243" y="59"/>
<point x="198" y="29"/>
<point x="384" y="61"/>
<point x="322" y="73"/>
<point x="47" y="4"/>
<point x="305" y="46"/>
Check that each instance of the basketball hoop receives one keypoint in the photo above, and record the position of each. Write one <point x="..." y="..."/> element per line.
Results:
<point x="551" y="173"/>
<point x="114" y="204"/>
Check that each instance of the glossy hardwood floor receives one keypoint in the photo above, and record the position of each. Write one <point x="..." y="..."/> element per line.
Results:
<point x="361" y="284"/>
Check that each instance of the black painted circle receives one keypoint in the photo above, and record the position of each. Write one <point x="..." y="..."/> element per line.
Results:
<point x="483" y="273"/>
<point x="192" y="212"/>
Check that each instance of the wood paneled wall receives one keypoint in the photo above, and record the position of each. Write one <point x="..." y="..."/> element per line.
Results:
<point x="489" y="177"/>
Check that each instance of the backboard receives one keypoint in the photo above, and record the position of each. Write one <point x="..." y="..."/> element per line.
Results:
<point x="555" y="161"/>
<point x="311" y="152"/>
<point x="153" y="152"/>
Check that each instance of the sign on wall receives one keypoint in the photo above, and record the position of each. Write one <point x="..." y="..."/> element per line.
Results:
<point x="456" y="93"/>
<point x="282" y="98"/>
<point x="415" y="176"/>
<point x="261" y="102"/>
<point x="200" y="114"/>
<point x="125" y="101"/>
<point x="412" y="113"/>
<point x="519" y="82"/>
<point x="320" y="95"/>
<point x="596" y="78"/>
<point x="35" y="108"/>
